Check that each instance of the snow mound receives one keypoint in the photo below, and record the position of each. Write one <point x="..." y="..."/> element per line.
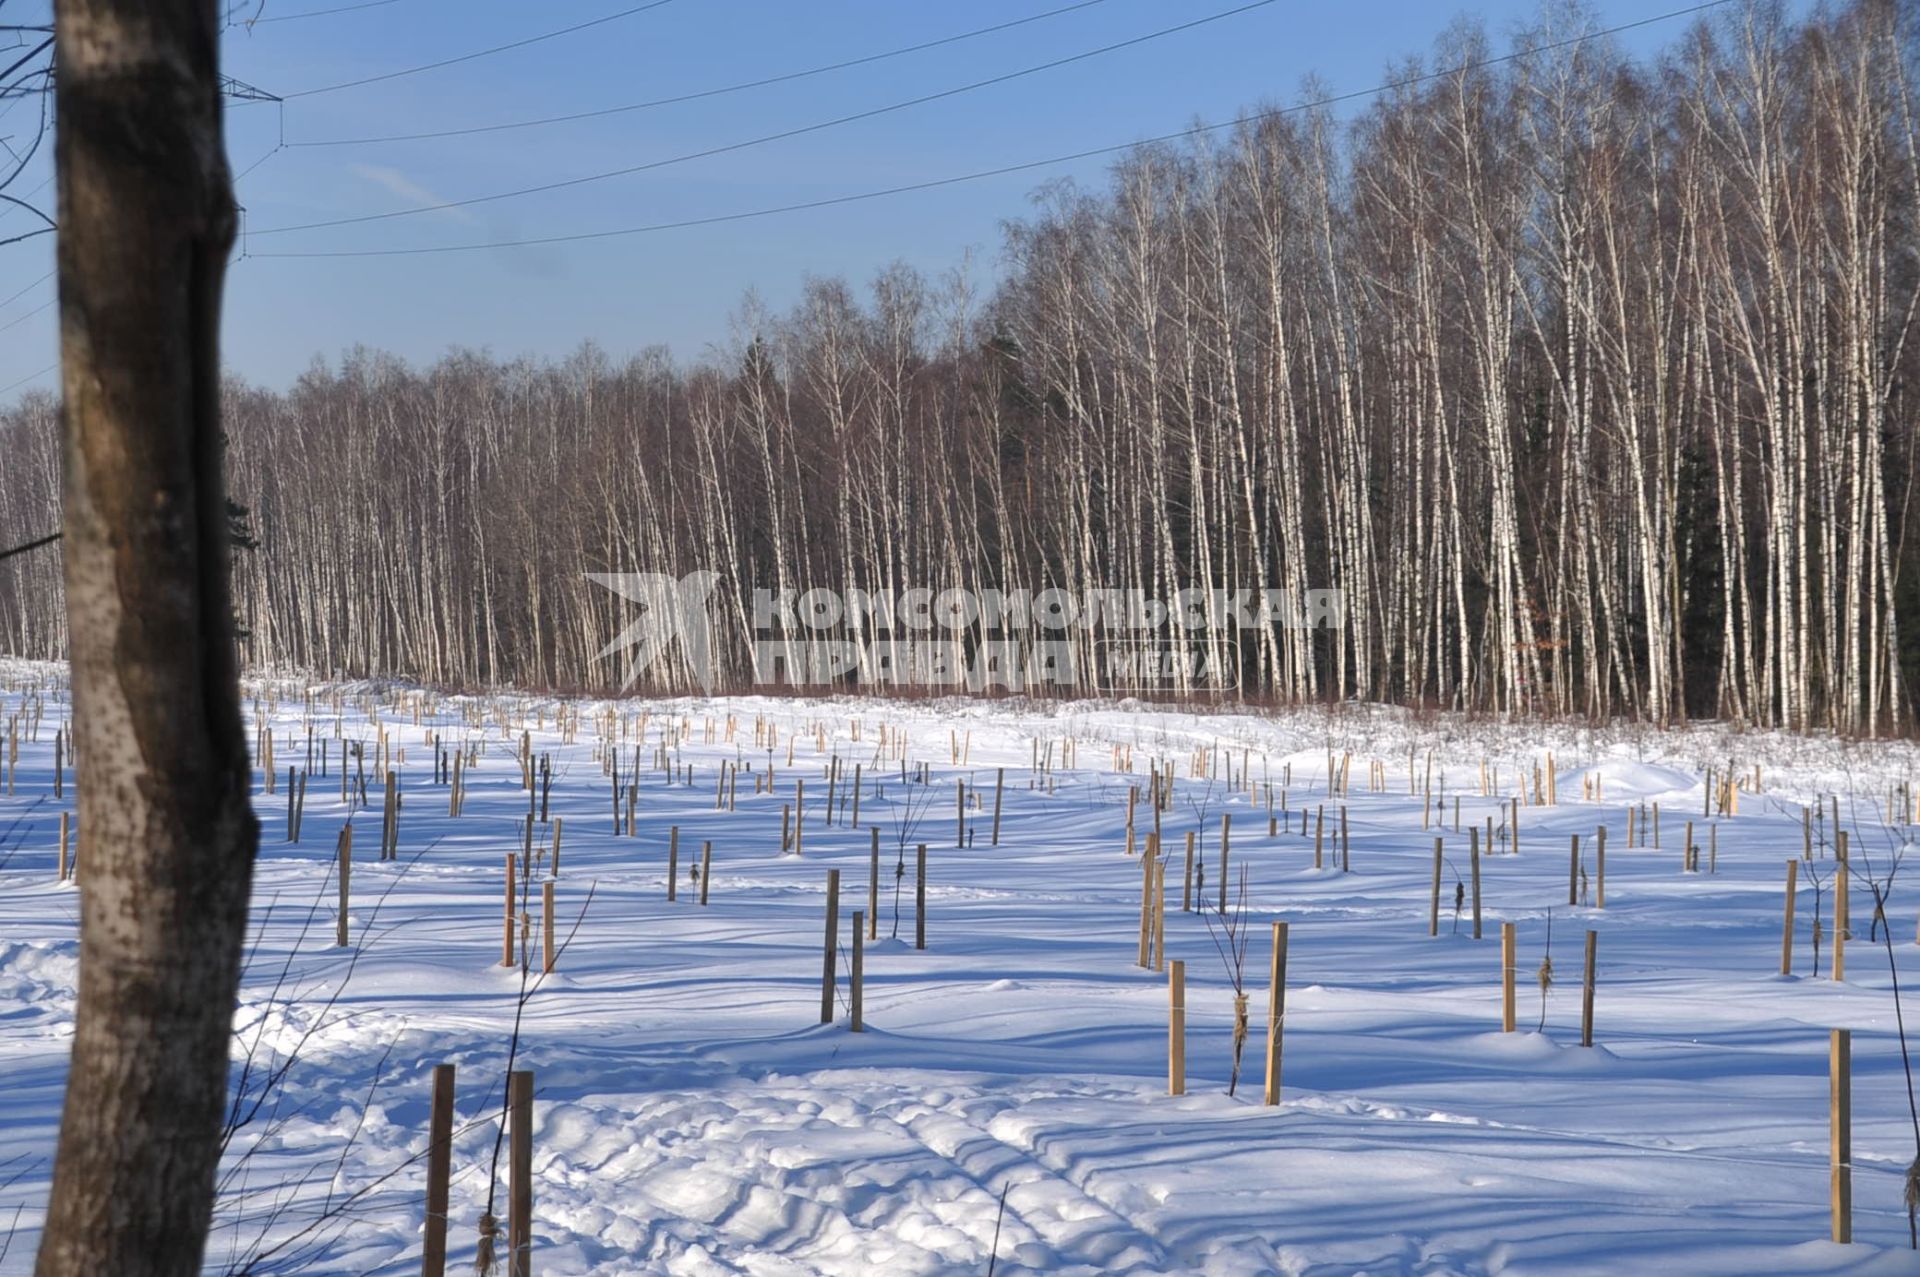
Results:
<point x="1623" y="779"/>
<point x="33" y="971"/>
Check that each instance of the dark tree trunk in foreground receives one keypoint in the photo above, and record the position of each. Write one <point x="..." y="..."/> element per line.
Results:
<point x="166" y="832"/>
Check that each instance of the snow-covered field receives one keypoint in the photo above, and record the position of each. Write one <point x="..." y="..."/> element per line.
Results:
<point x="693" y="1116"/>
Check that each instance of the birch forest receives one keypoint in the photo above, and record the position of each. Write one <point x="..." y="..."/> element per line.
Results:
<point x="1589" y="381"/>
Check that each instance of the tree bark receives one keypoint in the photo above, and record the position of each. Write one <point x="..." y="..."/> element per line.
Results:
<point x="146" y="223"/>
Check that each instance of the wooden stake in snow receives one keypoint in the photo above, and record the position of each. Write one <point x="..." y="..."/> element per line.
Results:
<point x="549" y="954"/>
<point x="1508" y="957"/>
<point x="873" y="886"/>
<point x="1226" y="830"/>
<point x="920" y="897"/>
<point x="506" y="944"/>
<point x="1176" y="1027"/>
<point x="833" y="940"/>
<point x="520" y="1174"/>
<point x="999" y="787"/>
<point x="1276" y="1010"/>
<point x="1842" y="902"/>
<point x="857" y="970"/>
<point x="1433" y="912"/>
<point x="1840" y="1128"/>
<point x="1473" y="853"/>
<point x="673" y="863"/>
<point x="1146" y="900"/>
<point x="345" y="852"/>
<point x="1786" y="934"/>
<point x="433" y="1261"/>
<point x="1600" y="867"/>
<point x="65" y="836"/>
<point x="706" y="869"/>
<point x="1586" y="992"/>
<point x="1573" y="868"/>
<point x="1159" y="910"/>
<point x="390" y="822"/>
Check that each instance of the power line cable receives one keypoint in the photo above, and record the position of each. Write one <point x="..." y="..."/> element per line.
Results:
<point x="480" y="53"/>
<point x="8" y="301"/>
<point x="1003" y="170"/>
<point x="764" y="138"/>
<point x="15" y="386"/>
<point x="21" y="319"/>
<point x="310" y="13"/>
<point x="701" y="94"/>
<point x="246" y="172"/>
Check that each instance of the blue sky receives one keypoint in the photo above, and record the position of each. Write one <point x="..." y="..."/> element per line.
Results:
<point x="679" y="287"/>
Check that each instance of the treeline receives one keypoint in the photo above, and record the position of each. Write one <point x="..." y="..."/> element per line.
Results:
<point x="1589" y="383"/>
